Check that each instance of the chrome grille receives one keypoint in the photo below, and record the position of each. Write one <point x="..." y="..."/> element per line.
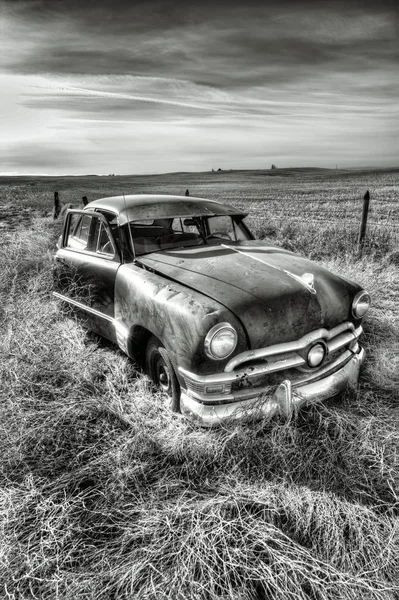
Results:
<point x="194" y="386"/>
<point x="290" y="355"/>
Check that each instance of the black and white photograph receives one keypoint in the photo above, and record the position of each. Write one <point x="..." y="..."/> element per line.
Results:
<point x="199" y="300"/>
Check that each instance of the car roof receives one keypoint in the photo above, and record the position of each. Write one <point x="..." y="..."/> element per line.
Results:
<point x="152" y="206"/>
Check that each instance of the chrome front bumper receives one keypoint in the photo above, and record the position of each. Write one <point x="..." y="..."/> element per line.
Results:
<point x="266" y="401"/>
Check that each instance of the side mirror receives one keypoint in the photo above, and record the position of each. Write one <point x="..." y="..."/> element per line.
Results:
<point x="189" y="223"/>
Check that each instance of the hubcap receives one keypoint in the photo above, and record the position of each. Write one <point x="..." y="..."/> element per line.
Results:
<point x="163" y="376"/>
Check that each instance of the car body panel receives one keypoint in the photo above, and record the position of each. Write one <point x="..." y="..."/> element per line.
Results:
<point x="89" y="280"/>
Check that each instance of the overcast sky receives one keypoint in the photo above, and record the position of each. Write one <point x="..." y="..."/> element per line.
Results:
<point x="150" y="87"/>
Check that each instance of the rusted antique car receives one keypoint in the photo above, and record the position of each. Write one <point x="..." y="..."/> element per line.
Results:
<point x="224" y="324"/>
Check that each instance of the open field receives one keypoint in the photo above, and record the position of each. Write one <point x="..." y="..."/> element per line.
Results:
<point x="311" y="201"/>
<point x="104" y="494"/>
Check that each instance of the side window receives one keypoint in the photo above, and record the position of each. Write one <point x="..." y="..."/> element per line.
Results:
<point x="190" y="225"/>
<point x="104" y="245"/>
<point x="177" y="226"/>
<point x="87" y="233"/>
<point x="221" y="227"/>
<point x="78" y="231"/>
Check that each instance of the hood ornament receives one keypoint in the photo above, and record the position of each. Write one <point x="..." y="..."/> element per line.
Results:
<point x="308" y="280"/>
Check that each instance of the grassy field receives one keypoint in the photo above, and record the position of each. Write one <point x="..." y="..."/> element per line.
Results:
<point x="104" y="494"/>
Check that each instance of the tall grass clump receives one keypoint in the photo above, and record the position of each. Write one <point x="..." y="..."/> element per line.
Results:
<point x="105" y="494"/>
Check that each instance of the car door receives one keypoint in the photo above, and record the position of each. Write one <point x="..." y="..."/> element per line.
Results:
<point x="86" y="266"/>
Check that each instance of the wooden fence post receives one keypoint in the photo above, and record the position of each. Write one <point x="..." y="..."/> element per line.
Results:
<point x="84" y="200"/>
<point x="363" y="223"/>
<point x="57" y="206"/>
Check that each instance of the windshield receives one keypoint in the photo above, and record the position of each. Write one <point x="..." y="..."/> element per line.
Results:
<point x="181" y="232"/>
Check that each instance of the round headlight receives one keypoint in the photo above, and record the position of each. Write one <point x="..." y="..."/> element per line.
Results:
<point x="316" y="355"/>
<point x="361" y="304"/>
<point x="220" y="341"/>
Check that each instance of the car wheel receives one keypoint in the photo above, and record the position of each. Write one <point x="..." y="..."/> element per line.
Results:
<point x="160" y="369"/>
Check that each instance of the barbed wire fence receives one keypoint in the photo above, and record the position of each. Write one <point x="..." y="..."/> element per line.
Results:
<point x="348" y="215"/>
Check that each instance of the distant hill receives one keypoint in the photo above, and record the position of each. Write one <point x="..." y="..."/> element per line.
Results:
<point x="186" y="177"/>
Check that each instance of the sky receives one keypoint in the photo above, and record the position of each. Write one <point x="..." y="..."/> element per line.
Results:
<point x="131" y="87"/>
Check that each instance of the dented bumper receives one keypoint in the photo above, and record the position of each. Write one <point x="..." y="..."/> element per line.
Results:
<point x="210" y="409"/>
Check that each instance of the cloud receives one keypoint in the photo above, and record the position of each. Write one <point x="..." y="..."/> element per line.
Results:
<point x="185" y="81"/>
<point x="229" y="46"/>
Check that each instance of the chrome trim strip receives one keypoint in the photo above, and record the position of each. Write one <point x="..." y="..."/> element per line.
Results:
<point x="288" y="347"/>
<point x="344" y="339"/>
<point x="281" y="365"/>
<point x="89" y="309"/>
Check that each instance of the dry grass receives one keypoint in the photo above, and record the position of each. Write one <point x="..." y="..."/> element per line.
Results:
<point x="104" y="494"/>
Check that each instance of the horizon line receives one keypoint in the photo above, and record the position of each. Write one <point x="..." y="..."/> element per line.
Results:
<point x="215" y="171"/>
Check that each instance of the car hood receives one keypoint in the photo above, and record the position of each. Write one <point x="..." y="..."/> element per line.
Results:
<point x="270" y="290"/>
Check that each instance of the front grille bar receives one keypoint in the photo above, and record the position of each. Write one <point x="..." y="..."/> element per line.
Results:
<point x="338" y="337"/>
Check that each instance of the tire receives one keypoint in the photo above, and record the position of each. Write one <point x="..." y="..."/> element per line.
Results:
<point x="159" y="368"/>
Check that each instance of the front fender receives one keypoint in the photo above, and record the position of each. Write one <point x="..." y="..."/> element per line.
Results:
<point x="178" y="316"/>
